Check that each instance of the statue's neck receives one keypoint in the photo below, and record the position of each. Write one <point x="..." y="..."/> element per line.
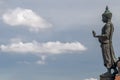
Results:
<point x="109" y="21"/>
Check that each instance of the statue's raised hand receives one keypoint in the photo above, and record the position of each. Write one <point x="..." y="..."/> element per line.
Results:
<point x="94" y="33"/>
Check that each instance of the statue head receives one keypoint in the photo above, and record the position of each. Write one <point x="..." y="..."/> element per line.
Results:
<point x="107" y="15"/>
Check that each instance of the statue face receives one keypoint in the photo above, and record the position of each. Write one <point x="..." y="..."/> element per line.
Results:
<point x="104" y="19"/>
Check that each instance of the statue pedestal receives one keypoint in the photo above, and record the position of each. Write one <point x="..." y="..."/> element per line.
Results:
<point x="105" y="77"/>
<point x="117" y="77"/>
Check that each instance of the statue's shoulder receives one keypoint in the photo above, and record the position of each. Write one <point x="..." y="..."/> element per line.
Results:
<point x="109" y="25"/>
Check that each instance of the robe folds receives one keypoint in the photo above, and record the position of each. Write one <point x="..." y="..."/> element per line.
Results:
<point x="106" y="45"/>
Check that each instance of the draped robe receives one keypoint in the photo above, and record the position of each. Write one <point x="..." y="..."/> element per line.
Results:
<point x="106" y="45"/>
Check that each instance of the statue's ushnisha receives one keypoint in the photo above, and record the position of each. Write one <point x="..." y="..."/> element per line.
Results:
<point x="105" y="40"/>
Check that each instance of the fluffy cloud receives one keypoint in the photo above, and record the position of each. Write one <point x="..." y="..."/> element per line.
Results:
<point x="43" y="48"/>
<point x="23" y="62"/>
<point x="90" y="79"/>
<point x="42" y="61"/>
<point x="25" y="17"/>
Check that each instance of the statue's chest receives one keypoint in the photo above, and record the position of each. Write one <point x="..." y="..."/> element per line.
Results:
<point x="104" y="29"/>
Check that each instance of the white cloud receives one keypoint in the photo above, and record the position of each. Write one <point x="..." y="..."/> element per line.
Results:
<point x="23" y="62"/>
<point x="15" y="40"/>
<point x="43" y="48"/>
<point x="42" y="61"/>
<point x="90" y="79"/>
<point x="25" y="17"/>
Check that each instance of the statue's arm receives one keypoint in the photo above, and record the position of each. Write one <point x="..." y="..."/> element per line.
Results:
<point x="106" y="35"/>
<point x="96" y="36"/>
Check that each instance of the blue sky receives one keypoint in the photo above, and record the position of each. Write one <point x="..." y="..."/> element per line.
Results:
<point x="52" y="40"/>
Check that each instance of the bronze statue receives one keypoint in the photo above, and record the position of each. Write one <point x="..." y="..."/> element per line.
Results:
<point x="105" y="40"/>
<point x="118" y="65"/>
